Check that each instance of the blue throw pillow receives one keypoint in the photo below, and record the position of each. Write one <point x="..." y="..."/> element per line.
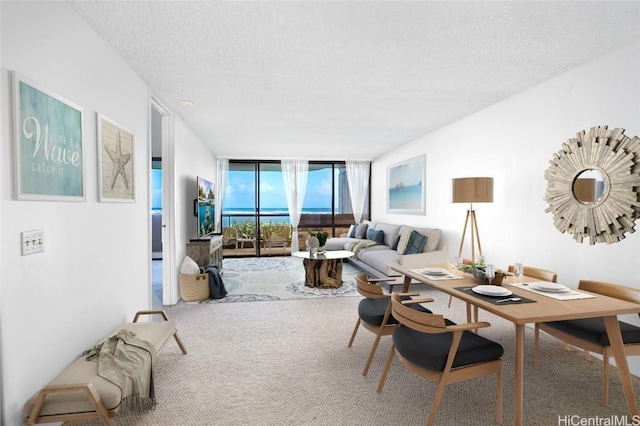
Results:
<point x="354" y="227"/>
<point x="415" y="244"/>
<point x="395" y="243"/>
<point x="377" y="236"/>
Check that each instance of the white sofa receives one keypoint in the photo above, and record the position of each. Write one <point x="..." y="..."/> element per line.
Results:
<point x="377" y="260"/>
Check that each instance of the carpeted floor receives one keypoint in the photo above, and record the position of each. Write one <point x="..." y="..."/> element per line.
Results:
<point x="287" y="363"/>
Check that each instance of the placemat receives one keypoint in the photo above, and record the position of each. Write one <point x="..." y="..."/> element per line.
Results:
<point x="567" y="295"/>
<point x="436" y="277"/>
<point x="494" y="299"/>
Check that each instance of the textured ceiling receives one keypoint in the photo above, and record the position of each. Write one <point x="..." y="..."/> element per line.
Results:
<point x="345" y="79"/>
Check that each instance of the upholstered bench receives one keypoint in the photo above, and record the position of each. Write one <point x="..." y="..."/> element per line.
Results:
<point x="79" y="393"/>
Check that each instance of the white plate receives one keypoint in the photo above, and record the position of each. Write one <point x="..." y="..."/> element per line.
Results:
<point x="435" y="271"/>
<point x="492" y="290"/>
<point x="549" y="287"/>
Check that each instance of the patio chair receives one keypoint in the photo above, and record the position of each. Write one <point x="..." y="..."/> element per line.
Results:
<point x="230" y="237"/>
<point x="276" y="236"/>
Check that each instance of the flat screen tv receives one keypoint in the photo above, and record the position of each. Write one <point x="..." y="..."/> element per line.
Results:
<point x="205" y="208"/>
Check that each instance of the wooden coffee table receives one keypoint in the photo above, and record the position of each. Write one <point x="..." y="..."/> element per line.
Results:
<point x="325" y="270"/>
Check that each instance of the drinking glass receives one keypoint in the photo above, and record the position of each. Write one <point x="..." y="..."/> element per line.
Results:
<point x="517" y="271"/>
<point x="455" y="262"/>
<point x="490" y="273"/>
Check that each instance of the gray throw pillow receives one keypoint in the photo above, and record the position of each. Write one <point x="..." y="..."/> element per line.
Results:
<point x="361" y="231"/>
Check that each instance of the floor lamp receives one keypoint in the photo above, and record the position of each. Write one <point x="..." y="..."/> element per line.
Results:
<point x="472" y="190"/>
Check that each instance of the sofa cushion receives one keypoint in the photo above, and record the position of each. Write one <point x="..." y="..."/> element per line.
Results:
<point x="415" y="243"/>
<point x="380" y="258"/>
<point x="375" y="235"/>
<point x="433" y="236"/>
<point x="339" y="243"/>
<point x="361" y="231"/>
<point x="390" y="232"/>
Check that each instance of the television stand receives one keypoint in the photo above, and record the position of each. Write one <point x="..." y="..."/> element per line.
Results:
<point x="206" y="251"/>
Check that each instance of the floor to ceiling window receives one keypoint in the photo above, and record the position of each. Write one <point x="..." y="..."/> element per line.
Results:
<point x="255" y="204"/>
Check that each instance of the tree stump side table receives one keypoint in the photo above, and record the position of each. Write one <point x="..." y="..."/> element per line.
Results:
<point x="325" y="270"/>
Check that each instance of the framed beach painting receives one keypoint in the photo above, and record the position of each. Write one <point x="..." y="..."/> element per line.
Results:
<point x="405" y="186"/>
<point x="115" y="162"/>
<point x="48" y="152"/>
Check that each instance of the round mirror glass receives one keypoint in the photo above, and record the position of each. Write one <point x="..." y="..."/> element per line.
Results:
<point x="589" y="186"/>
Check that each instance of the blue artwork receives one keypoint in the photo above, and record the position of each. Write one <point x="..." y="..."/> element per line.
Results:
<point x="50" y="158"/>
<point x="406" y="186"/>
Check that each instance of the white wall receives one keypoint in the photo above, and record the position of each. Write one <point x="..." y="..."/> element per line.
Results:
<point x="95" y="270"/>
<point x="513" y="142"/>
<point x="192" y="159"/>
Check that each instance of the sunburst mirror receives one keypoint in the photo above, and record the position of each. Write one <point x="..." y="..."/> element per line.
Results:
<point x="593" y="185"/>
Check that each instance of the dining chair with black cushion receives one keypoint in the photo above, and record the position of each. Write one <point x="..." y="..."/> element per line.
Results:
<point x="374" y="312"/>
<point x="590" y="334"/>
<point x="442" y="351"/>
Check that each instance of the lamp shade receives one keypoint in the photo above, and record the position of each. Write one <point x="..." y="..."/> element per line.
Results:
<point x="472" y="190"/>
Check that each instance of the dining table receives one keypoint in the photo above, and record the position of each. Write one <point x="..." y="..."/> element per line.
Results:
<point x="534" y="307"/>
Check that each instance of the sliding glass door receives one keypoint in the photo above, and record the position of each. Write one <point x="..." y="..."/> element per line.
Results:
<point x="255" y="205"/>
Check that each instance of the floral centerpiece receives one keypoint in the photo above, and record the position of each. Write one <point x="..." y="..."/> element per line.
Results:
<point x="477" y="270"/>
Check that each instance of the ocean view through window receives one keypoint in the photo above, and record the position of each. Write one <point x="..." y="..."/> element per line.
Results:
<point x="255" y="197"/>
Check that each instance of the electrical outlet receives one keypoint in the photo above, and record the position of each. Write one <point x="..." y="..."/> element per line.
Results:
<point x="32" y="242"/>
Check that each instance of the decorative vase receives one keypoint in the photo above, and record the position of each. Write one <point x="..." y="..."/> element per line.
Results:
<point x="479" y="276"/>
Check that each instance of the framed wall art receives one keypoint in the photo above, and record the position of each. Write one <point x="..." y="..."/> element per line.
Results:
<point x="48" y="138"/>
<point x="115" y="162"/>
<point x="405" y="186"/>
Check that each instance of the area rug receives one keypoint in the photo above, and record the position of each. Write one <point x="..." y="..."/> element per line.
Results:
<point x="276" y="278"/>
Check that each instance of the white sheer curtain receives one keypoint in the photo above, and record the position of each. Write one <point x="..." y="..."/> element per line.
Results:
<point x="358" y="178"/>
<point x="294" y="174"/>
<point x="221" y="186"/>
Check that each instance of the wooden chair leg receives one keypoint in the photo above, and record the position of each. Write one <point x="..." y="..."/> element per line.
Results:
<point x="450" y="300"/>
<point x="499" y="397"/>
<point x="372" y="354"/>
<point x="536" y="345"/>
<point x="353" y="335"/>
<point x="436" y="403"/>
<point x="605" y="378"/>
<point x="587" y="355"/>
<point x="383" y="377"/>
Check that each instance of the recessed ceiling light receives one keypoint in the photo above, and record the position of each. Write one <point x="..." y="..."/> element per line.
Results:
<point x="186" y="103"/>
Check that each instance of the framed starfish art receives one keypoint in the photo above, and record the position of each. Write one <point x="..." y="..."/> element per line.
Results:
<point x="115" y="162"/>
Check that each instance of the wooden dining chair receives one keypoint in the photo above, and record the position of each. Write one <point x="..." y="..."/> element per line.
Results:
<point x="442" y="351"/>
<point x="590" y="334"/>
<point x="374" y="312"/>
<point x="537" y="273"/>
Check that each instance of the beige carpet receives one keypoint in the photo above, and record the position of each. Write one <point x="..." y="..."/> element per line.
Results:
<point x="287" y="363"/>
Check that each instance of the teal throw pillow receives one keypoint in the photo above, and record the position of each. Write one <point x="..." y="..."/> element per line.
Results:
<point x="415" y="244"/>
<point x="353" y="229"/>
<point x="377" y="236"/>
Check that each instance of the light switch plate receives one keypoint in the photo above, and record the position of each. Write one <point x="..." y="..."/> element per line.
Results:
<point x="32" y="242"/>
